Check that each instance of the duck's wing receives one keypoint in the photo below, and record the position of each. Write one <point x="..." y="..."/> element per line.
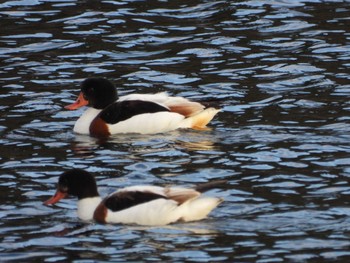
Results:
<point x="123" y="200"/>
<point x="154" y="205"/>
<point x="181" y="195"/>
<point x="177" y="194"/>
<point x="108" y="120"/>
<point x="136" y="195"/>
<point x="179" y="105"/>
<point x="121" y="111"/>
<point x="129" y="207"/>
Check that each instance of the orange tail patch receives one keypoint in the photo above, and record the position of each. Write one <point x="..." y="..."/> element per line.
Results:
<point x="200" y="120"/>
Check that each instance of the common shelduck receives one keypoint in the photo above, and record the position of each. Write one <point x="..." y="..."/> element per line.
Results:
<point x="136" y="113"/>
<point x="142" y="204"/>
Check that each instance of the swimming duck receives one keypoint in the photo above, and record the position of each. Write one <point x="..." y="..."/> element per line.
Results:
<point x="135" y="113"/>
<point x="142" y="204"/>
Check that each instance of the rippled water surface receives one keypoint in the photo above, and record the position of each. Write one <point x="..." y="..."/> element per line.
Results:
<point x="278" y="69"/>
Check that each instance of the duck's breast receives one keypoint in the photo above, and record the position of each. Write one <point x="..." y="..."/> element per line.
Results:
<point x="87" y="207"/>
<point x="82" y="125"/>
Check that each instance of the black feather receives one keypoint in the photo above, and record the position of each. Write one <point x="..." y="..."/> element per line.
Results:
<point x="123" y="200"/>
<point x="120" y="111"/>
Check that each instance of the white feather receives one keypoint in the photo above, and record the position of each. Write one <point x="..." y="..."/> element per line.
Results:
<point x="198" y="208"/>
<point x="160" y="97"/>
<point x="82" y="125"/>
<point x="165" y="211"/>
<point x="157" y="212"/>
<point x="148" y="123"/>
<point x="143" y="188"/>
<point x="87" y="206"/>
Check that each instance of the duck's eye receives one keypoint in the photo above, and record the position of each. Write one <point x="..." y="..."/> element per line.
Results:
<point x="63" y="189"/>
<point x="89" y="91"/>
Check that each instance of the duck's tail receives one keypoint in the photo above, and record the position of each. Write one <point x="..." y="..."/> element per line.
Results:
<point x="199" y="208"/>
<point x="200" y="120"/>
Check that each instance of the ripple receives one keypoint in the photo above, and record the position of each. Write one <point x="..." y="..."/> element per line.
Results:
<point x="201" y="52"/>
<point x="290" y="25"/>
<point x="157" y="76"/>
<point x="312" y="243"/>
<point x="37" y="47"/>
<point x="293" y="69"/>
<point x="34" y="35"/>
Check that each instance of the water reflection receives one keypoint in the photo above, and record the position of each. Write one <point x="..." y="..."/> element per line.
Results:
<point x="278" y="69"/>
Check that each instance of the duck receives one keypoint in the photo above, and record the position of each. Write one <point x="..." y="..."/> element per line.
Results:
<point x="145" y="205"/>
<point x="108" y="114"/>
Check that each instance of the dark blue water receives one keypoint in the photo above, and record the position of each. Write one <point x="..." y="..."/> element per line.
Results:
<point x="278" y="69"/>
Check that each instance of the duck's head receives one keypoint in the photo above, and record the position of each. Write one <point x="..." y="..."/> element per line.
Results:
<point x="97" y="93"/>
<point x="76" y="182"/>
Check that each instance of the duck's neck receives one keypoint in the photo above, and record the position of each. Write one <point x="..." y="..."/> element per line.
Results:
<point x="82" y="126"/>
<point x="87" y="206"/>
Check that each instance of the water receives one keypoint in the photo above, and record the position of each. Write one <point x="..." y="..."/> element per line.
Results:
<point x="278" y="69"/>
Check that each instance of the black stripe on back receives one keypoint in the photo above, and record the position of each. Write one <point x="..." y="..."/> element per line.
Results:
<point x="123" y="200"/>
<point x="120" y="111"/>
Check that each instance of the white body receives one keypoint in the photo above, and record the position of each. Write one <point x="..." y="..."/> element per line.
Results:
<point x="156" y="212"/>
